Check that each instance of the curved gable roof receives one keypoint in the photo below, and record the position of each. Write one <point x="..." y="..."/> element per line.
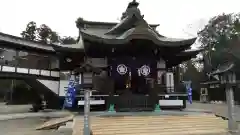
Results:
<point x="133" y="26"/>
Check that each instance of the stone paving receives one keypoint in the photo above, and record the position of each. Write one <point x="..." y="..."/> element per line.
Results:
<point x="7" y="109"/>
<point x="27" y="126"/>
<point x="8" y="112"/>
<point x="218" y="109"/>
<point x="34" y="115"/>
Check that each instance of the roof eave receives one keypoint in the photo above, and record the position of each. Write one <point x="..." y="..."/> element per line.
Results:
<point x="26" y="43"/>
<point x="185" y="56"/>
<point x="222" y="69"/>
<point x="146" y="36"/>
<point x="69" y="47"/>
<point x="210" y="82"/>
<point x="190" y="52"/>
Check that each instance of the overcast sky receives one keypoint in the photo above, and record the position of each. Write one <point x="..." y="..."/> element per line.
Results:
<point x="177" y="18"/>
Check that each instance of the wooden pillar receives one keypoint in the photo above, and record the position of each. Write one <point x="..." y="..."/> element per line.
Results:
<point x="176" y="77"/>
<point x="16" y="60"/>
<point x="49" y="63"/>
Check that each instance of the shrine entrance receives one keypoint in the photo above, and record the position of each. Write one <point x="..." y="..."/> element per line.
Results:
<point x="130" y="76"/>
<point x="138" y="80"/>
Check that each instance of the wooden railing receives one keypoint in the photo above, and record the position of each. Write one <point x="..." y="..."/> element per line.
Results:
<point x="11" y="69"/>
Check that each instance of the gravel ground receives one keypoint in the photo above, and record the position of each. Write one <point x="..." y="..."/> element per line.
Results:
<point x="26" y="127"/>
<point x="219" y="109"/>
<point x="9" y="109"/>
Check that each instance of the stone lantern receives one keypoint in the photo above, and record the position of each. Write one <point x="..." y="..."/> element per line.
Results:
<point x="228" y="79"/>
<point x="87" y="71"/>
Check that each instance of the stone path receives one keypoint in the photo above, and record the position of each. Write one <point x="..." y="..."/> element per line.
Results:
<point x="4" y="117"/>
<point x="218" y="109"/>
<point x="21" y="111"/>
<point x="26" y="127"/>
<point x="9" y="112"/>
<point x="7" y="109"/>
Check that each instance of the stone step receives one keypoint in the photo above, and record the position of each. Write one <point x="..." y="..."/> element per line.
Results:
<point x="159" y="127"/>
<point x="116" y="124"/>
<point x="153" y="125"/>
<point x="152" y="121"/>
<point x="184" y="132"/>
<point x="153" y="118"/>
<point x="166" y="126"/>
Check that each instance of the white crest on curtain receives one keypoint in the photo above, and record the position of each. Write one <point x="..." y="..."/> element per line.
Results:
<point x="145" y="70"/>
<point x="122" y="69"/>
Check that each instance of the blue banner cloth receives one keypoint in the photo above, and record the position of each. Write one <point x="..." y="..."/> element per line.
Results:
<point x="70" y="94"/>
<point x="190" y="95"/>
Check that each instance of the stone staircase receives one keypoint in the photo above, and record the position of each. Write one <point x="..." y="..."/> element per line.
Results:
<point x="199" y="124"/>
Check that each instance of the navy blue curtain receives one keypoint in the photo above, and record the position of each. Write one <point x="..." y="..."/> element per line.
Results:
<point x="120" y="80"/>
<point x="132" y="65"/>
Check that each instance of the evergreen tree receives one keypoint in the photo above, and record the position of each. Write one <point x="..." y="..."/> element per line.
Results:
<point x="44" y="33"/>
<point x="220" y="37"/>
<point x="68" y="40"/>
<point x="30" y="32"/>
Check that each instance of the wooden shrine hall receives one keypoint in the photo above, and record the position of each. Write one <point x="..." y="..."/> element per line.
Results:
<point x="142" y="63"/>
